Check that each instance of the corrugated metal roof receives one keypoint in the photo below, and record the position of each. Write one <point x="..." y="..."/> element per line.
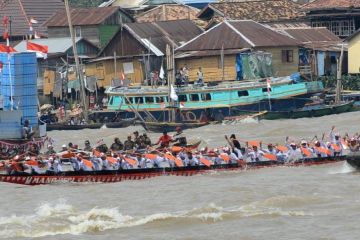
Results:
<point x="40" y="10"/>
<point x="305" y="35"/>
<point x="257" y="10"/>
<point x="56" y="45"/>
<point x="237" y="35"/>
<point x="330" y="4"/>
<point x="160" y="34"/>
<point x="82" y="16"/>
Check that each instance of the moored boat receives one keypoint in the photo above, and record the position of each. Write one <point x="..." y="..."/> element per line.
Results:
<point x="159" y="127"/>
<point x="63" y="126"/>
<point x="314" y="111"/>
<point x="121" y="124"/>
<point x="108" y="176"/>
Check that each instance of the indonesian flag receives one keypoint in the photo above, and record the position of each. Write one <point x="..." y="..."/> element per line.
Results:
<point x="41" y="50"/>
<point x="182" y="104"/>
<point x="268" y="83"/>
<point x="122" y="78"/>
<point x="162" y="73"/>
<point x="162" y="105"/>
<point x="6" y="49"/>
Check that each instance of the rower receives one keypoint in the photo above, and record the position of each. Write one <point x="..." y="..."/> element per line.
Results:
<point x="106" y="163"/>
<point x="294" y="153"/>
<point x="56" y="164"/>
<point x="50" y="150"/>
<point x="317" y="146"/>
<point x="191" y="160"/>
<point x="255" y="154"/>
<point x="233" y="157"/>
<point x="164" y="140"/>
<point x="335" y="142"/>
<point x="87" y="147"/>
<point x="117" y="145"/>
<point x="354" y="145"/>
<point x="305" y="150"/>
<point x="180" y="138"/>
<point x="64" y="148"/>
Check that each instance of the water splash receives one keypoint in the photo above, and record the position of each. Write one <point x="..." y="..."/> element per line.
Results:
<point x="62" y="218"/>
<point x="344" y="168"/>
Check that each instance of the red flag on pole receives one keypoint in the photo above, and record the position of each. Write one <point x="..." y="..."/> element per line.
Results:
<point x="41" y="49"/>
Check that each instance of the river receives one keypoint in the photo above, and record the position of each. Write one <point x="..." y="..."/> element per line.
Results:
<point x="320" y="202"/>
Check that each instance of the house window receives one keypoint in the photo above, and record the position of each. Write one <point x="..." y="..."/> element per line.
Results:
<point x="343" y="28"/>
<point x="287" y="56"/>
<point x="78" y="31"/>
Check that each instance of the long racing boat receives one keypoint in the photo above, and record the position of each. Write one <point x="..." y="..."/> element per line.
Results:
<point x="110" y="176"/>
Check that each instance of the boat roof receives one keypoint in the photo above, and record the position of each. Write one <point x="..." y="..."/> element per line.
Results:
<point x="223" y="86"/>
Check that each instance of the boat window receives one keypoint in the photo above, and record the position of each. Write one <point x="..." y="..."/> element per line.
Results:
<point x="149" y="100"/>
<point x="182" y="98"/>
<point x="206" y="96"/>
<point x="160" y="99"/>
<point x="111" y="100"/>
<point x="194" y="97"/>
<point x="265" y="90"/>
<point x="243" y="93"/>
<point x="139" y="100"/>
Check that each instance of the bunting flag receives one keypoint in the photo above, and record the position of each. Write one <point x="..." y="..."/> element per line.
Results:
<point x="41" y="50"/>
<point x="268" y="84"/>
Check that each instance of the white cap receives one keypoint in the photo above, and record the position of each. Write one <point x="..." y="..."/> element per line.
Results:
<point x="63" y="146"/>
<point x="27" y="158"/>
<point x="303" y="142"/>
<point x="49" y="145"/>
<point x="292" y="144"/>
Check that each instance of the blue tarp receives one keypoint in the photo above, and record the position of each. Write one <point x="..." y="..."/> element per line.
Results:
<point x="321" y="63"/>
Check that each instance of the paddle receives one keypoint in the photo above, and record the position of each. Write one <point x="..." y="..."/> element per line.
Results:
<point x="270" y="156"/>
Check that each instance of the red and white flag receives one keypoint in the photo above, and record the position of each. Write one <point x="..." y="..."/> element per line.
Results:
<point x="268" y="84"/>
<point x="41" y="50"/>
<point x="182" y="104"/>
<point x="162" y="105"/>
<point x="33" y="20"/>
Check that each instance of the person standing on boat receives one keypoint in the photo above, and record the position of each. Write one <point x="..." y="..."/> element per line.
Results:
<point x="147" y="140"/>
<point x="117" y="145"/>
<point x="254" y="154"/>
<point x="129" y="144"/>
<point x="180" y="137"/>
<point x="164" y="140"/>
<point x="234" y="144"/>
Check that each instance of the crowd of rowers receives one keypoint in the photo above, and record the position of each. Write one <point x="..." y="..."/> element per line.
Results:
<point x="139" y="152"/>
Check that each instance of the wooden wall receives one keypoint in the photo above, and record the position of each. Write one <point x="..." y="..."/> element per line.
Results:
<point x="354" y="55"/>
<point x="124" y="44"/>
<point x="281" y="68"/>
<point x="105" y="72"/>
<point x="211" y="67"/>
<point x="91" y="33"/>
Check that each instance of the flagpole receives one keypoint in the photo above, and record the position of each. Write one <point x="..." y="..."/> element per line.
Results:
<point x="78" y="70"/>
<point x="268" y="83"/>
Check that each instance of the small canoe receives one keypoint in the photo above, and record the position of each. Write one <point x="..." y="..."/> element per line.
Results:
<point x="121" y="124"/>
<point x="110" y="176"/>
<point x="60" y="126"/>
<point x="316" y="111"/>
<point x="159" y="127"/>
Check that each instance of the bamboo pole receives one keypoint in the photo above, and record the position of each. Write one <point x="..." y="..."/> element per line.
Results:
<point x="77" y="63"/>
